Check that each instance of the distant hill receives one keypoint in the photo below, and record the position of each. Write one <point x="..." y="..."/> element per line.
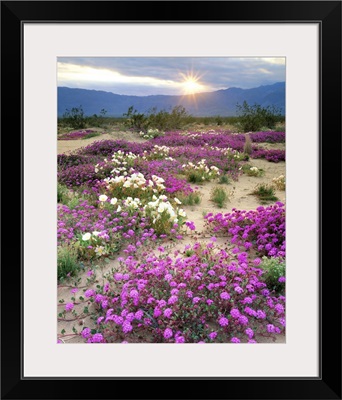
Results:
<point x="221" y="102"/>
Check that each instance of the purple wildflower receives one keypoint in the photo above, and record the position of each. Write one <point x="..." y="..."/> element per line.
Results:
<point x="168" y="333"/>
<point x="97" y="338"/>
<point x="167" y="312"/>
<point x="225" y="296"/>
<point x="223" y="321"/>
<point x="86" y="333"/>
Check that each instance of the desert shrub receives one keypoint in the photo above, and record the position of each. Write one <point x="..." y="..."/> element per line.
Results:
<point x="155" y="120"/>
<point x="219" y="196"/>
<point x="67" y="264"/>
<point x="224" y="180"/>
<point x="250" y="170"/>
<point x="274" y="273"/>
<point x="265" y="193"/>
<point x="75" y="118"/>
<point x="135" y="120"/>
<point x="189" y="199"/>
<point x="62" y="193"/>
<point x="279" y="182"/>
<point x="253" y="117"/>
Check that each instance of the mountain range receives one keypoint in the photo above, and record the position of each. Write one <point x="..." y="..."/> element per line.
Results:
<point x="221" y="102"/>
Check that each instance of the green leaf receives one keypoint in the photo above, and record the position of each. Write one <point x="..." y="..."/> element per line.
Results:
<point x="62" y="331"/>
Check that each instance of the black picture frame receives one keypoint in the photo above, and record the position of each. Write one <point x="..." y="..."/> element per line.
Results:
<point x="328" y="15"/>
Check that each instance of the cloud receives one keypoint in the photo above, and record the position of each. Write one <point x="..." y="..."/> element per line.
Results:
<point x="165" y="75"/>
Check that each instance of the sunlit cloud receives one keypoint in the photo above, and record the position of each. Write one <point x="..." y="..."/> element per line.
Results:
<point x="264" y="71"/>
<point x="143" y="76"/>
<point x="274" y="60"/>
<point x="71" y="73"/>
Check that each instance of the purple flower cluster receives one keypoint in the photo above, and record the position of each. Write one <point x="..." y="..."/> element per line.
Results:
<point x="182" y="301"/>
<point x="264" y="228"/>
<point x="115" y="229"/>
<point x="108" y="147"/>
<point x="269" y="155"/>
<point x="268" y="137"/>
<point x="75" y="135"/>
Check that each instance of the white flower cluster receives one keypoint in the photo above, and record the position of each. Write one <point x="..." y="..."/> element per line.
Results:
<point x="120" y="160"/>
<point x="137" y="180"/>
<point x="158" y="152"/>
<point x="200" y="134"/>
<point x="227" y="151"/>
<point x="279" y="182"/>
<point x="160" y="204"/>
<point x="87" y="236"/>
<point x="202" y="167"/>
<point x="151" y="133"/>
<point x="100" y="250"/>
<point x="254" y="169"/>
<point x="132" y="203"/>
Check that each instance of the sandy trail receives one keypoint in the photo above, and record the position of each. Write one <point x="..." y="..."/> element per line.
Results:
<point x="239" y="198"/>
<point x="67" y="146"/>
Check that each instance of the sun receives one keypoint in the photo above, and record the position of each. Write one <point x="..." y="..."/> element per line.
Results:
<point x="191" y="84"/>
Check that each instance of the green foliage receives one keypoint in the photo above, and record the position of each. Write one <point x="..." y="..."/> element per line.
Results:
<point x="274" y="268"/>
<point x="62" y="194"/>
<point x="265" y="192"/>
<point x="224" y="180"/>
<point x="91" y="134"/>
<point x="97" y="120"/>
<point x="219" y="196"/>
<point x="190" y="199"/>
<point x="134" y="120"/>
<point x="250" y="170"/>
<point x="67" y="264"/>
<point x="161" y="120"/>
<point x="75" y="118"/>
<point x="253" y="117"/>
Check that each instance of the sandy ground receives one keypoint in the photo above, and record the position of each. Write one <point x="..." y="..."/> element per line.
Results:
<point x="239" y="197"/>
<point x="67" y="146"/>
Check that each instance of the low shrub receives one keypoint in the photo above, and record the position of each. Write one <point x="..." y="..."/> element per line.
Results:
<point x="274" y="273"/>
<point x="67" y="263"/>
<point x="265" y="192"/>
<point x="219" y="196"/>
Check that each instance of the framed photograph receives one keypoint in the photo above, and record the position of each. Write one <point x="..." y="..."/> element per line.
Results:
<point x="50" y="47"/>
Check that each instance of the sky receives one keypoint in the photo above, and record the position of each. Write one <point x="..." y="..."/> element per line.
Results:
<point x="143" y="76"/>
